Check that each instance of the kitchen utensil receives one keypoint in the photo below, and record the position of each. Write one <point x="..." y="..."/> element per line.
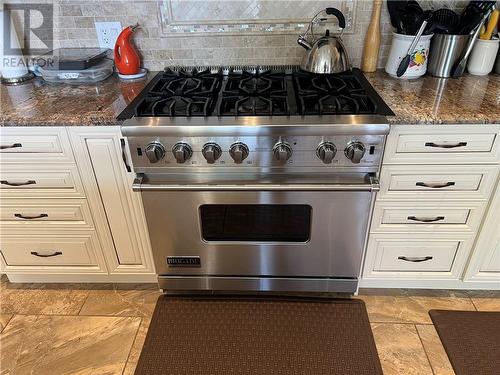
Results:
<point x="445" y="52"/>
<point x="459" y="69"/>
<point x="403" y="65"/>
<point x="482" y="58"/>
<point x="127" y="59"/>
<point x="472" y="15"/>
<point x="372" y="40"/>
<point x="444" y="21"/>
<point x="492" y="22"/>
<point x="412" y="18"/>
<point x="399" y="49"/>
<point x="327" y="54"/>
<point x="72" y="58"/>
<point x="395" y="10"/>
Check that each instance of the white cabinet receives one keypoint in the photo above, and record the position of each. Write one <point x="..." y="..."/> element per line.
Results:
<point x="47" y="144"/>
<point x="436" y="184"/>
<point x="68" y="213"/>
<point x="102" y="158"/>
<point x="484" y="266"/>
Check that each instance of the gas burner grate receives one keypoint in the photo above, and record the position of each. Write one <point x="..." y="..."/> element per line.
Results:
<point x="331" y="94"/>
<point x="181" y="93"/>
<point x="256" y="93"/>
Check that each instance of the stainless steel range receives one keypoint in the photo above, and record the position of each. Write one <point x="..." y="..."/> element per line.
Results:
<point x="257" y="179"/>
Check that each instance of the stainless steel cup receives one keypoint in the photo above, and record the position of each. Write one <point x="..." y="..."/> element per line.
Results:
<point x="444" y="53"/>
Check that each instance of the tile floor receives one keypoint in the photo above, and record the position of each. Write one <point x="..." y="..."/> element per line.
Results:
<point x="100" y="329"/>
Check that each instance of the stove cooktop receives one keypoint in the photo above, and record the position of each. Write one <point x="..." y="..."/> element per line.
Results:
<point x="191" y="92"/>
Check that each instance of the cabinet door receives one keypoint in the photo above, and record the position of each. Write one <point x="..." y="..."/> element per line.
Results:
<point x="485" y="262"/>
<point x="102" y="158"/>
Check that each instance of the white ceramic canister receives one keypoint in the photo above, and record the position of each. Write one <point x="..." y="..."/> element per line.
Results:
<point x="419" y="56"/>
<point x="482" y="57"/>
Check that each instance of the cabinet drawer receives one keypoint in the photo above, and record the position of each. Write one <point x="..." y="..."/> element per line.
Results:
<point x="50" y="180"/>
<point x="433" y="182"/>
<point x="417" y="256"/>
<point x="54" y="250"/>
<point x="38" y="145"/>
<point x="423" y="216"/>
<point x="445" y="144"/>
<point x="45" y="214"/>
<point x="437" y="182"/>
<point x="435" y="256"/>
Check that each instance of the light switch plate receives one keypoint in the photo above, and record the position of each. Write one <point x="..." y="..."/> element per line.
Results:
<point x="107" y="32"/>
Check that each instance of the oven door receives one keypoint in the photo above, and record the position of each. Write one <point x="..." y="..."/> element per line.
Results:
<point x="257" y="236"/>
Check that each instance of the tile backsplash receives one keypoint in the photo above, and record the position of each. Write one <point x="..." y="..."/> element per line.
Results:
<point x="160" y="47"/>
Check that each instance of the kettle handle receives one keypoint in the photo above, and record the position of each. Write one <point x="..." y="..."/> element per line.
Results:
<point x="337" y="13"/>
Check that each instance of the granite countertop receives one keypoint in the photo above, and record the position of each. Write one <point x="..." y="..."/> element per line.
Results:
<point x="468" y="100"/>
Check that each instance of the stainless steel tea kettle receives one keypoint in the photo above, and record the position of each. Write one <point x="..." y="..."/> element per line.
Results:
<point x="327" y="54"/>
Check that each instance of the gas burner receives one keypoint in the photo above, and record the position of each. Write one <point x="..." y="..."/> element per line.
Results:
<point x="254" y="94"/>
<point x="174" y="106"/>
<point x="253" y="105"/>
<point x="331" y="94"/>
<point x="182" y="93"/>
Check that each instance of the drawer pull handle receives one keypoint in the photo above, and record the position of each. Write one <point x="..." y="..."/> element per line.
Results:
<point x="29" y="182"/>
<point x="124" y="155"/>
<point x="435" y="186"/>
<point x="423" y="220"/>
<point x="14" y="145"/>
<point x="445" y="145"/>
<point x="54" y="254"/>
<point x="21" y="216"/>
<point x="415" y="259"/>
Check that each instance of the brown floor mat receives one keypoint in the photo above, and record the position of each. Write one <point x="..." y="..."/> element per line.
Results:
<point x="260" y="336"/>
<point x="471" y="340"/>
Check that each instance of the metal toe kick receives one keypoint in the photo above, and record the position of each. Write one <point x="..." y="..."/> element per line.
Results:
<point x="258" y="284"/>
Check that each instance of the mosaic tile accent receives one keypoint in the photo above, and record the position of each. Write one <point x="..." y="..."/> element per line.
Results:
<point x="246" y="16"/>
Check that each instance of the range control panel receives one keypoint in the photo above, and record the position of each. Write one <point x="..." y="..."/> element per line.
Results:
<point x="303" y="151"/>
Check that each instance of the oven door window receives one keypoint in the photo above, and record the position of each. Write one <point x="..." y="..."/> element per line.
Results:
<point x="256" y="223"/>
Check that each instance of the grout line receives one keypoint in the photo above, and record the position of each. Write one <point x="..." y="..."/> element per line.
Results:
<point x="397" y="322"/>
<point x="132" y="346"/>
<point x="473" y="304"/>
<point x="72" y="315"/>
<point x="425" y="351"/>
<point x="8" y="321"/>
<point x="83" y="304"/>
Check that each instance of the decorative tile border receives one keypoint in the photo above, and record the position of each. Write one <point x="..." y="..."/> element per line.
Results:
<point x="258" y="17"/>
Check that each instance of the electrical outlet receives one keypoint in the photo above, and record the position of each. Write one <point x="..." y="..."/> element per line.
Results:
<point x="107" y="32"/>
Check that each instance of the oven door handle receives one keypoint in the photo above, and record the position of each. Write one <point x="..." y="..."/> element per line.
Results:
<point x="372" y="185"/>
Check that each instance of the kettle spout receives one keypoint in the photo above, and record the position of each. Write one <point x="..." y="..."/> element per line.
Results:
<point x="304" y="43"/>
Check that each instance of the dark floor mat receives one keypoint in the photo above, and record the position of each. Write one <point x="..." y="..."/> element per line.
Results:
<point x="471" y="340"/>
<point x="258" y="336"/>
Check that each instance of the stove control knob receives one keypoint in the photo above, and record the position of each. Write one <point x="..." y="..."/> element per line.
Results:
<point x="326" y="152"/>
<point x="282" y="151"/>
<point x="355" y="152"/>
<point x="211" y="152"/>
<point x="182" y="152"/>
<point x="239" y="152"/>
<point x="155" y="152"/>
